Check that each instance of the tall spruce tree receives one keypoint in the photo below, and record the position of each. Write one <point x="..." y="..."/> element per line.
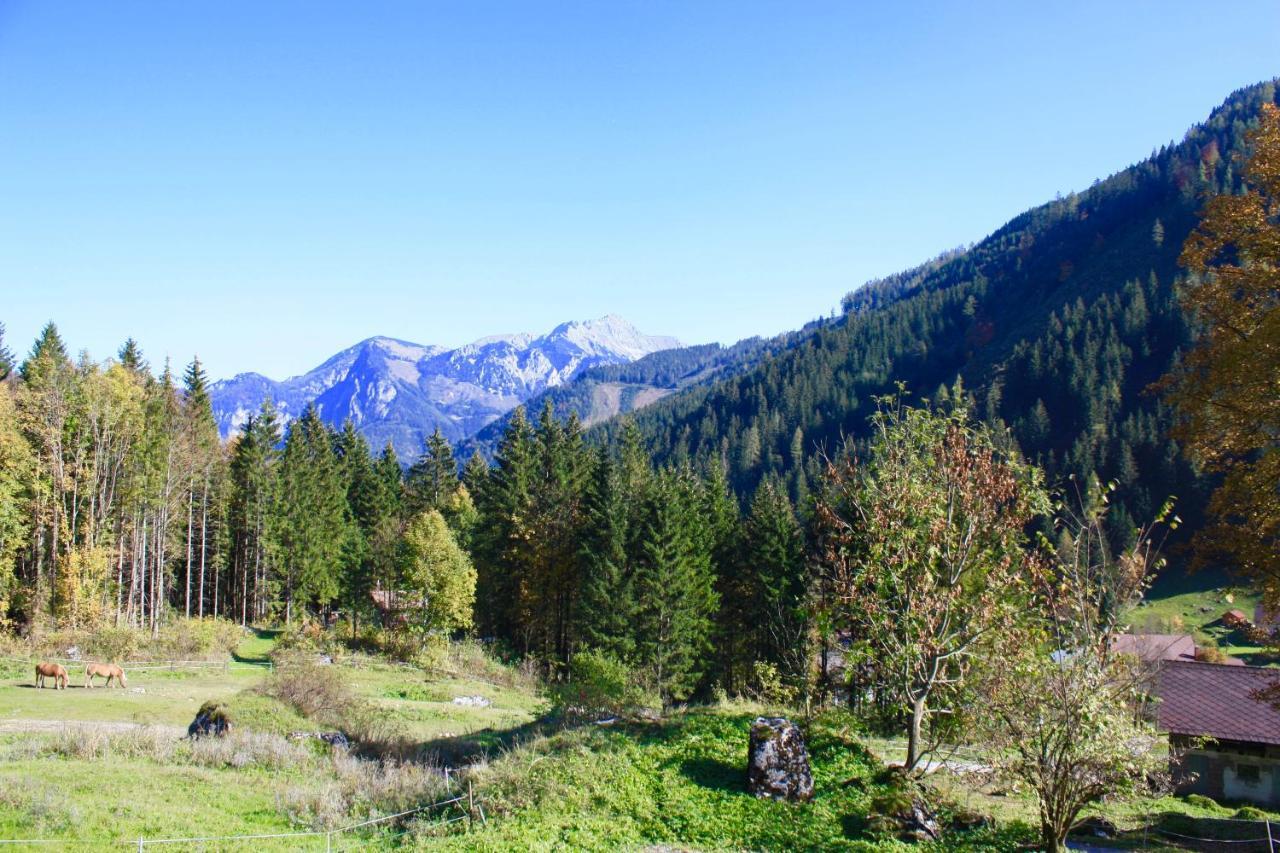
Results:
<point x="502" y="559"/>
<point x="433" y="479"/>
<point x="609" y="604"/>
<point x="675" y="588"/>
<point x="774" y="560"/>
<point x="315" y="518"/>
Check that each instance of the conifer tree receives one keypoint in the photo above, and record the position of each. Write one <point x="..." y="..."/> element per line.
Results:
<point x="774" y="558"/>
<point x="130" y="356"/>
<point x="675" y="589"/>
<point x="433" y="479"/>
<point x="608" y="598"/>
<point x="6" y="357"/>
<point x="314" y="522"/>
<point x="505" y="503"/>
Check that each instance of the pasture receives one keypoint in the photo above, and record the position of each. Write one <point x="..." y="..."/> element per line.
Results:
<point x="110" y="764"/>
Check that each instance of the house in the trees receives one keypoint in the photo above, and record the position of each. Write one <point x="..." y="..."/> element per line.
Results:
<point x="1224" y="739"/>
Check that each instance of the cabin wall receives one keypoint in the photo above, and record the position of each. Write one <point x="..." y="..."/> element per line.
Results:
<point x="1227" y="771"/>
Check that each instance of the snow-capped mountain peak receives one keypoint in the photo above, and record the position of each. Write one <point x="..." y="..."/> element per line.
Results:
<point x="399" y="391"/>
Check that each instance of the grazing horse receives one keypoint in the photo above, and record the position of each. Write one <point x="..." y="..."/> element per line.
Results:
<point x="108" y="670"/>
<point x="54" y="671"/>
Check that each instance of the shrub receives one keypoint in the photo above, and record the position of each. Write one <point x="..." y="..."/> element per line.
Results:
<point x="116" y="645"/>
<point x="769" y="686"/>
<point x="198" y="639"/>
<point x="313" y="690"/>
<point x="1210" y="654"/>
<point x="320" y="693"/>
<point x="600" y="684"/>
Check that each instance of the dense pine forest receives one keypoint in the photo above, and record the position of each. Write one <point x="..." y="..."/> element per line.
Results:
<point x="1056" y="324"/>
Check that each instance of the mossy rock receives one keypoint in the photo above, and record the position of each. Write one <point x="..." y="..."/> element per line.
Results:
<point x="1249" y="813"/>
<point x="892" y="803"/>
<point x="1200" y="801"/>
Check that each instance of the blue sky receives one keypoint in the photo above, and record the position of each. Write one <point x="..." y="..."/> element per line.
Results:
<point x="264" y="183"/>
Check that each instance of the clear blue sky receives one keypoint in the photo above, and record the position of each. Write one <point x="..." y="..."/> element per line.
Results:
<point x="264" y="183"/>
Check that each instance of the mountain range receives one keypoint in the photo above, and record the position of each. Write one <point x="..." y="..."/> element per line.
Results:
<point x="398" y="392"/>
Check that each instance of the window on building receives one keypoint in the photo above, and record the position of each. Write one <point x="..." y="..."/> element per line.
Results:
<point x="1249" y="774"/>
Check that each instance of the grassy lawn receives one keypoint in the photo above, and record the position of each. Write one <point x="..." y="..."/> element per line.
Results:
<point x="119" y="800"/>
<point x="681" y="782"/>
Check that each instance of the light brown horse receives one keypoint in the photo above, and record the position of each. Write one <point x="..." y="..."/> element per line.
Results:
<point x="54" y="671"/>
<point x="109" y="670"/>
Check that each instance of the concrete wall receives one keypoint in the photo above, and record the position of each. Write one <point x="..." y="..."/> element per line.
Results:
<point x="1229" y="775"/>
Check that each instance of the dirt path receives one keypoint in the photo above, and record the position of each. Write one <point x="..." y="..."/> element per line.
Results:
<point x="12" y="726"/>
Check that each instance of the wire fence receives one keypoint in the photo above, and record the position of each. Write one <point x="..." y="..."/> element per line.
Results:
<point x="467" y="804"/>
<point x="225" y="665"/>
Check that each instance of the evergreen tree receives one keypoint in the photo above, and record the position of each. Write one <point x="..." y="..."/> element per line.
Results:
<point x="314" y="523"/>
<point x="775" y="561"/>
<point x="130" y="356"/>
<point x="6" y="357"/>
<point x="433" y="479"/>
<point x="505" y="504"/>
<point x="609" y="605"/>
<point x="675" y="588"/>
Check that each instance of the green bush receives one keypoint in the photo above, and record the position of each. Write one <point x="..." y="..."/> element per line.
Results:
<point x="116" y="645"/>
<point x="209" y="638"/>
<point x="600" y="684"/>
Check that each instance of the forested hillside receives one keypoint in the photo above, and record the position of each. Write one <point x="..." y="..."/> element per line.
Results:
<point x="1056" y="324"/>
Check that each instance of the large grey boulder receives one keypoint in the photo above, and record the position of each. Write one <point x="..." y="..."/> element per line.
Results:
<point x="777" y="761"/>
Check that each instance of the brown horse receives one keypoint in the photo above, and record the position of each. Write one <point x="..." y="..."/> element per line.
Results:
<point x="54" y="671"/>
<point x="109" y="670"/>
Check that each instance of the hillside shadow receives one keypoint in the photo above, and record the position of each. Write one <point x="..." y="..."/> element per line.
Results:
<point x="265" y="638"/>
<point x="485" y="744"/>
<point x="715" y="774"/>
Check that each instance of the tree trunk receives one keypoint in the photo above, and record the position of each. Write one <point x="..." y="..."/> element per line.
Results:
<point x="915" y="736"/>
<point x="204" y="527"/>
<point x="190" y="512"/>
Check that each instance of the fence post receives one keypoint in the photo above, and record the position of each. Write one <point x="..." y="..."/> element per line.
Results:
<point x="1271" y="845"/>
<point x="141" y="844"/>
<point x="471" y="804"/>
<point x="328" y="842"/>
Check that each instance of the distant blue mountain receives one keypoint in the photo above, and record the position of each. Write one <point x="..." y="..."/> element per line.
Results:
<point x="397" y="391"/>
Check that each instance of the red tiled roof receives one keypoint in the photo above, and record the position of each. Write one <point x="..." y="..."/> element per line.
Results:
<point x="1153" y="647"/>
<point x="1215" y="700"/>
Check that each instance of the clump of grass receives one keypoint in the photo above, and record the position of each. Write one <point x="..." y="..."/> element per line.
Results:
<point x="45" y="807"/>
<point x="242" y="748"/>
<point x="237" y="749"/>
<point x="470" y="659"/>
<point x="97" y="743"/>
<point x="362" y="790"/>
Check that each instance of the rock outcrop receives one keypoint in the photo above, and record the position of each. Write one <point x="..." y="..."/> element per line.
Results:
<point x="777" y="761"/>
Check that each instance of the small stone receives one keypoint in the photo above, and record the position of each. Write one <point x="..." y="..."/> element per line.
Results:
<point x="73" y="653"/>
<point x="1097" y="826"/>
<point x="472" y="701"/>
<point x="138" y="690"/>
<point x="777" y="761"/>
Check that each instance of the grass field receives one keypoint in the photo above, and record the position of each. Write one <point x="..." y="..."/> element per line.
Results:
<point x="125" y="775"/>
<point x="106" y="766"/>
